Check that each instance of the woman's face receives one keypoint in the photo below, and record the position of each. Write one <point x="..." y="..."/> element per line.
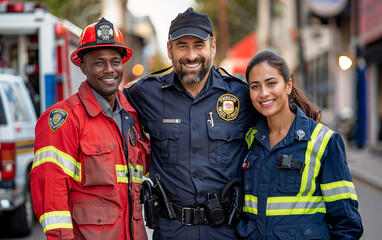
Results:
<point x="268" y="91"/>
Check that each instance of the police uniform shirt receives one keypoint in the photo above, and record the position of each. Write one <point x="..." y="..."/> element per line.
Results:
<point x="197" y="143"/>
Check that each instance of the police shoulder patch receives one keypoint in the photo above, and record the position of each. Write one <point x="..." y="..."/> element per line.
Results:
<point x="228" y="106"/>
<point x="57" y="118"/>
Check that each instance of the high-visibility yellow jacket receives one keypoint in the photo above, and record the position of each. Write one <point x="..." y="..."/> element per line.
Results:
<point x="309" y="195"/>
<point x="83" y="186"/>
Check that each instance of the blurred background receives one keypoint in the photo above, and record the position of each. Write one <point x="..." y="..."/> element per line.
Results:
<point x="333" y="47"/>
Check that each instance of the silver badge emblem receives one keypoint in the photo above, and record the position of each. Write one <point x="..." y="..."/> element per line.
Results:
<point x="300" y="133"/>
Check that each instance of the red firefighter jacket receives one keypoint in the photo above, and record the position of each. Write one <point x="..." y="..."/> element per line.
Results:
<point x="83" y="187"/>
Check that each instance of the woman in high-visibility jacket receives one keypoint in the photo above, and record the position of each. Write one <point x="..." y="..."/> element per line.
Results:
<point x="296" y="180"/>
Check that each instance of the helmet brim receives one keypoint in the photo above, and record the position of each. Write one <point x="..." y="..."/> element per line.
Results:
<point x="76" y="59"/>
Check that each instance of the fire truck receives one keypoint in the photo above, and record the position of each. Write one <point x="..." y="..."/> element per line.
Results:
<point x="38" y="45"/>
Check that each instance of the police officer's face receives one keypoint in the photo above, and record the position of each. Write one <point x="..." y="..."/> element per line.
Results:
<point x="104" y="70"/>
<point x="268" y="90"/>
<point x="191" y="58"/>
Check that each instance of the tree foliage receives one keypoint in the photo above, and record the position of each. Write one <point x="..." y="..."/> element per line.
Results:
<point x="79" y="12"/>
<point x="241" y="16"/>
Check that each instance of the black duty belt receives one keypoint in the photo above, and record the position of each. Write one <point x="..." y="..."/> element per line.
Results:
<point x="190" y="216"/>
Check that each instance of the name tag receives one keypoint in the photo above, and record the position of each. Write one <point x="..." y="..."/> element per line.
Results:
<point x="167" y="120"/>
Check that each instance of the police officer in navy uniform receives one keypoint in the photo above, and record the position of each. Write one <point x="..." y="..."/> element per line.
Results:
<point x="197" y="119"/>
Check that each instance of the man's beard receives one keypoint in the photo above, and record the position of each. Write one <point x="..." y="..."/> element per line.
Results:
<point x="192" y="77"/>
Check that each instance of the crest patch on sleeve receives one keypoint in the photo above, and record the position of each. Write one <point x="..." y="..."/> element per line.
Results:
<point x="57" y="118"/>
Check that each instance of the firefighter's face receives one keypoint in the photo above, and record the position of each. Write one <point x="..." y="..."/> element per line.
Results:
<point x="104" y="70"/>
<point x="191" y="58"/>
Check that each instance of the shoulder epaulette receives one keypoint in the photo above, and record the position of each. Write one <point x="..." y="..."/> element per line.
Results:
<point x="158" y="72"/>
<point x="128" y="85"/>
<point x="220" y="69"/>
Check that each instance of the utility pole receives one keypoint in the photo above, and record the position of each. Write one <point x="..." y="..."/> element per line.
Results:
<point x="301" y="68"/>
<point x="264" y="24"/>
<point x="224" y="36"/>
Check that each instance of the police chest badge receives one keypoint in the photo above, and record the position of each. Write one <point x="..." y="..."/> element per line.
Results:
<point x="57" y="118"/>
<point x="228" y="106"/>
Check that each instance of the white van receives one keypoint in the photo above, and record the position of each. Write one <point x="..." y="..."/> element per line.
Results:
<point x="17" y="124"/>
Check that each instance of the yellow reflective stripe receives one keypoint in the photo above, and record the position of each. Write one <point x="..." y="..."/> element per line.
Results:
<point x="250" y="204"/>
<point x="66" y="162"/>
<point x="136" y="172"/>
<point x="315" y="149"/>
<point x="321" y="151"/>
<point x="250" y="136"/>
<point x="121" y="173"/>
<point x="309" y="148"/>
<point x="294" y="205"/>
<point x="338" y="191"/>
<point x="55" y="220"/>
<point x="295" y="211"/>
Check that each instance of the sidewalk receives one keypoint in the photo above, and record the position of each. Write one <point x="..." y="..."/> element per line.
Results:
<point x="365" y="165"/>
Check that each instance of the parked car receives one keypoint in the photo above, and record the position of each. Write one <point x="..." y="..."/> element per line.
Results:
<point x="17" y="124"/>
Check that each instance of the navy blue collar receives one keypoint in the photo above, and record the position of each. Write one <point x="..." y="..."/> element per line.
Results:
<point x="300" y="129"/>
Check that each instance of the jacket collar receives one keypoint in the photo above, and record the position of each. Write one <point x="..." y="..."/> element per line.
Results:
<point x="90" y="102"/>
<point x="299" y="130"/>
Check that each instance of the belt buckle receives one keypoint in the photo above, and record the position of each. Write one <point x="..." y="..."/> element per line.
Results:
<point x="183" y="218"/>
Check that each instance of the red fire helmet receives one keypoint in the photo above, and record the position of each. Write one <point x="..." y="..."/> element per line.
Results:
<point x="100" y="34"/>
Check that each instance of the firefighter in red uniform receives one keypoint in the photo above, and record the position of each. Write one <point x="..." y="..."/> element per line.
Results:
<point x="90" y="153"/>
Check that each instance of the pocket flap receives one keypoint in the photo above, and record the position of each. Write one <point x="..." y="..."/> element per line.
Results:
<point x="96" y="148"/>
<point x="95" y="214"/>
<point x="245" y="227"/>
<point x="226" y="133"/>
<point x="157" y="130"/>
<point x="302" y="231"/>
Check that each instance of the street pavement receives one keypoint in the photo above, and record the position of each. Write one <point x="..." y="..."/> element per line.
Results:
<point x="365" y="165"/>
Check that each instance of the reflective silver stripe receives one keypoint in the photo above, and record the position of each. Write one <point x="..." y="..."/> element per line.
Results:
<point x="250" y="204"/>
<point x="121" y="173"/>
<point x="278" y="206"/>
<point x="55" y="220"/>
<point x="313" y="160"/>
<point x="338" y="190"/>
<point x="294" y="205"/>
<point x="66" y="162"/>
<point x="136" y="172"/>
<point x="315" y="149"/>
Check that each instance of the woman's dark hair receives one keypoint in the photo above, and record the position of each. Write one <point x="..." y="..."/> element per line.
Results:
<point x="297" y="96"/>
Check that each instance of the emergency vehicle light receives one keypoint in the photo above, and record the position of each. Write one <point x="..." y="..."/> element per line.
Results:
<point x="20" y="7"/>
<point x="7" y="160"/>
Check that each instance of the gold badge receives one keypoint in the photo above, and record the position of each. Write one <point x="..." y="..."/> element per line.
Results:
<point x="228" y="107"/>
